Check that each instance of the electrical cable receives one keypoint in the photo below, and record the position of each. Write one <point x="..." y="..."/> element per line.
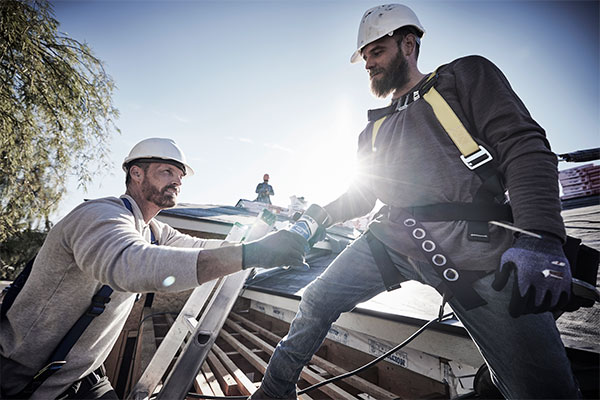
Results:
<point x="347" y="374"/>
<point x="378" y="359"/>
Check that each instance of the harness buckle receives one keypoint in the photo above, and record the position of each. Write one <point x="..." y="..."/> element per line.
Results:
<point x="98" y="305"/>
<point x="477" y="159"/>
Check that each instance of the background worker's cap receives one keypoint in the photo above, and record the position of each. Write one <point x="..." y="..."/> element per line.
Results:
<point x="158" y="150"/>
<point x="384" y="20"/>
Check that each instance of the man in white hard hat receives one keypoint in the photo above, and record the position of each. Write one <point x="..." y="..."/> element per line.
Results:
<point x="434" y="227"/>
<point x="107" y="243"/>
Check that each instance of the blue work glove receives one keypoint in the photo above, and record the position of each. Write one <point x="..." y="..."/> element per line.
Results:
<point x="281" y="248"/>
<point x="542" y="275"/>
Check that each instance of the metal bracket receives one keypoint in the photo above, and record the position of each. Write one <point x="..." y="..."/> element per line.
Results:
<point x="475" y="160"/>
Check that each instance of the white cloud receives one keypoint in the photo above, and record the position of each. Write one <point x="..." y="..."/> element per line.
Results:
<point x="239" y="139"/>
<point x="276" y="146"/>
<point x="180" y="119"/>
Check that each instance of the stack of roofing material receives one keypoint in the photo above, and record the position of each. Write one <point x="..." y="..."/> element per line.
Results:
<point x="580" y="182"/>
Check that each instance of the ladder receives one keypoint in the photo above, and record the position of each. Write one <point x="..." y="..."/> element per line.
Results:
<point x="196" y="327"/>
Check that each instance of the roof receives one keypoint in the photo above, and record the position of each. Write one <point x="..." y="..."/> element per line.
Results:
<point x="414" y="302"/>
<point x="579" y="329"/>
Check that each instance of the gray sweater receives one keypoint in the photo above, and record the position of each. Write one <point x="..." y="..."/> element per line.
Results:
<point x="99" y="242"/>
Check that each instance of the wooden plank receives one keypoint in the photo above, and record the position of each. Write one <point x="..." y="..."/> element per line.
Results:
<point x="169" y="318"/>
<point x="245" y="352"/>
<point x="113" y="361"/>
<point x="318" y="370"/>
<point x="262" y="331"/>
<point x="245" y="385"/>
<point x="306" y="374"/>
<point x="355" y="381"/>
<point x="212" y="380"/>
<point x="227" y="382"/>
<point x="250" y="356"/>
<point x="124" y="378"/>
<point x="201" y="385"/>
<point x="145" y="345"/>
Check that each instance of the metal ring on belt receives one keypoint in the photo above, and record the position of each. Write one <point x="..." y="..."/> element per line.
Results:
<point x="459" y="284"/>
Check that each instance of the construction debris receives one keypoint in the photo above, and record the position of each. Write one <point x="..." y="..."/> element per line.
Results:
<point x="580" y="182"/>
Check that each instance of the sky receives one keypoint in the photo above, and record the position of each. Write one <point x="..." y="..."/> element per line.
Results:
<point x="254" y="87"/>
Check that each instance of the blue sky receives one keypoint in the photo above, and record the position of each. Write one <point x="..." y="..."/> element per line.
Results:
<point x="248" y="87"/>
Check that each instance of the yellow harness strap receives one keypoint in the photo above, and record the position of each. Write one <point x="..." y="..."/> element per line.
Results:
<point x="450" y="122"/>
<point x="472" y="154"/>
<point x="376" y="126"/>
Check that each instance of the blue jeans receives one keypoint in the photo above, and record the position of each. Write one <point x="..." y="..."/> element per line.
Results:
<point x="526" y="356"/>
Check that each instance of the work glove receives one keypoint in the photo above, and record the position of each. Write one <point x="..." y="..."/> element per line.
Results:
<point x="542" y="275"/>
<point x="320" y="234"/>
<point x="281" y="248"/>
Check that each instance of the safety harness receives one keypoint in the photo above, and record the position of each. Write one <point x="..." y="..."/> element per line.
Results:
<point x="488" y="200"/>
<point x="487" y="203"/>
<point x="57" y="359"/>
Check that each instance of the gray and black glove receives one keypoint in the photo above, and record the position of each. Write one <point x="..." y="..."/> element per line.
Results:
<point x="281" y="248"/>
<point x="542" y="275"/>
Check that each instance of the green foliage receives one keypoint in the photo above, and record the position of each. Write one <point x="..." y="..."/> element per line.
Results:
<point x="15" y="252"/>
<point x="56" y="114"/>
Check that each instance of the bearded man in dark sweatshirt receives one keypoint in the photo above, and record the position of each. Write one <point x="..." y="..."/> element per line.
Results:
<point x="440" y="189"/>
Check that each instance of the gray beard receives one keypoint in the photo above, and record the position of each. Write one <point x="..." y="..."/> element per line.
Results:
<point x="392" y="79"/>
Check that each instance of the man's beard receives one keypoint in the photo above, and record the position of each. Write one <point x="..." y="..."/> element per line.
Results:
<point x="158" y="197"/>
<point x="391" y="78"/>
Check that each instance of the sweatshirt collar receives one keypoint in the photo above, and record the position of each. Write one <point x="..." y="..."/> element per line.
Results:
<point x="137" y="213"/>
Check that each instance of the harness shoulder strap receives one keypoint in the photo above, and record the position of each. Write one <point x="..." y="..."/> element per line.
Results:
<point x="11" y="291"/>
<point x="376" y="126"/>
<point x="473" y="155"/>
<point x="130" y="208"/>
<point x="452" y="125"/>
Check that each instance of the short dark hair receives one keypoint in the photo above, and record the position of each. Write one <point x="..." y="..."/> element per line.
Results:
<point x="400" y="34"/>
<point x="142" y="164"/>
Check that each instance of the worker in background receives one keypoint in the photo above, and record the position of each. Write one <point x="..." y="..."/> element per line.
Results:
<point x="264" y="190"/>
<point x="434" y="227"/>
<point x="108" y="242"/>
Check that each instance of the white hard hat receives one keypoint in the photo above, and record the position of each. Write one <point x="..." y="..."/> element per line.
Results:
<point x="160" y="149"/>
<point x="383" y="20"/>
